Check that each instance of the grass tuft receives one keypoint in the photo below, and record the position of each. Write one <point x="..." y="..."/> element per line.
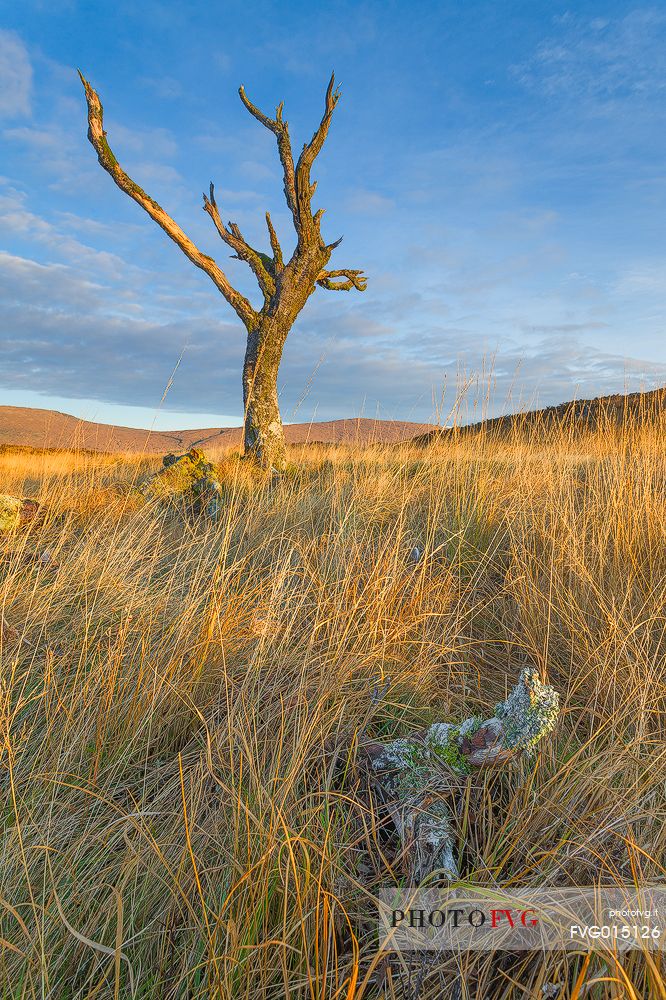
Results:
<point x="181" y="707"/>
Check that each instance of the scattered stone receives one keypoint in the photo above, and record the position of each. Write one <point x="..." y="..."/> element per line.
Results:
<point x="46" y="561"/>
<point x="414" y="775"/>
<point x="15" y="511"/>
<point x="190" y="477"/>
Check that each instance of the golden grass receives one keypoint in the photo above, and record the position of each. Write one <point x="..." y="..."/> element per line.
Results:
<point x="181" y="707"/>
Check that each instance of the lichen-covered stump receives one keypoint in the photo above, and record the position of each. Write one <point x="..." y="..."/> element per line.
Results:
<point x="191" y="478"/>
<point x="413" y="776"/>
<point x="15" y="512"/>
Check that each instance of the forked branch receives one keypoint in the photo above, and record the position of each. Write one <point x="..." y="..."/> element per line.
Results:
<point x="298" y="188"/>
<point x="281" y="131"/>
<point x="232" y="236"/>
<point x="305" y="188"/>
<point x="354" y="279"/>
<point x="278" y="260"/>
<point x="97" y="138"/>
<point x="286" y="285"/>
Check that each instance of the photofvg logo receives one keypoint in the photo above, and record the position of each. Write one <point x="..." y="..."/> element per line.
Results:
<point x="553" y="919"/>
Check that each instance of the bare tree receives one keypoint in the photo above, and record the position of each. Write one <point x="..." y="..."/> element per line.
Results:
<point x="285" y="287"/>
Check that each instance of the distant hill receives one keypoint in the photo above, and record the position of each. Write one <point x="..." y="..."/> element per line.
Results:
<point x="26" y="427"/>
<point x="23" y="426"/>
<point x="578" y="414"/>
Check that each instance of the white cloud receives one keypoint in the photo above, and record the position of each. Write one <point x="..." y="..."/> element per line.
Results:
<point x="15" y="76"/>
<point x="68" y="334"/>
<point x="17" y="219"/>
<point x="601" y="61"/>
<point x="165" y="87"/>
<point x="55" y="151"/>
<point x="647" y="277"/>
<point x="25" y="282"/>
<point x="368" y="202"/>
<point x="153" y="142"/>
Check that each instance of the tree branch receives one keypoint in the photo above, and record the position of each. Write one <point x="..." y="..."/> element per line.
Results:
<point x="281" y="131"/>
<point x="305" y="189"/>
<point x="260" y="263"/>
<point x="298" y="188"/>
<point x="97" y="138"/>
<point x="278" y="260"/>
<point x="355" y="279"/>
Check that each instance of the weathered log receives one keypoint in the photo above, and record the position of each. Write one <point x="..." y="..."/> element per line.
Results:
<point x="413" y="776"/>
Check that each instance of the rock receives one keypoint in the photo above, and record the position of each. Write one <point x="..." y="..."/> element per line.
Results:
<point x="190" y="477"/>
<point x="15" y="511"/>
<point x="46" y="561"/>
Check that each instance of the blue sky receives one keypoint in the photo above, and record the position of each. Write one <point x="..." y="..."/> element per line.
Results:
<point x="498" y="170"/>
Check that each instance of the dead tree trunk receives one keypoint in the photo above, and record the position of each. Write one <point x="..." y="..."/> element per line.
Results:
<point x="263" y="434"/>
<point x="285" y="287"/>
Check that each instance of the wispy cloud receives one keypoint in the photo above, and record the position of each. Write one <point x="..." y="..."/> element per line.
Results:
<point x="15" y="77"/>
<point x="156" y="143"/>
<point x="16" y="219"/>
<point x="68" y="335"/>
<point x="368" y="202"/>
<point x="604" y="61"/>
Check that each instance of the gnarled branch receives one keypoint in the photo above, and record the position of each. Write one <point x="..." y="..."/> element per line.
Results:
<point x="286" y="286"/>
<point x="97" y="138"/>
<point x="305" y="188"/>
<point x="414" y="776"/>
<point x="281" y="131"/>
<point x="232" y="236"/>
<point x="354" y="279"/>
<point x="278" y="261"/>
<point x="298" y="188"/>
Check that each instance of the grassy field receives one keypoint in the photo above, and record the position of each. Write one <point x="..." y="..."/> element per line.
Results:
<point x="182" y="706"/>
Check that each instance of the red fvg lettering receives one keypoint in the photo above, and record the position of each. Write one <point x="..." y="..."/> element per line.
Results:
<point x="496" y="915"/>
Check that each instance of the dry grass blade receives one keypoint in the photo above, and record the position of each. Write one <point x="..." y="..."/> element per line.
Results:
<point x="181" y="707"/>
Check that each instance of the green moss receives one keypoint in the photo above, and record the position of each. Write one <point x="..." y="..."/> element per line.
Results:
<point x="412" y="780"/>
<point x="179" y="475"/>
<point x="451" y="755"/>
<point x="413" y="755"/>
<point x="110" y="160"/>
<point x="191" y="477"/>
<point x="443" y="740"/>
<point x="449" y="752"/>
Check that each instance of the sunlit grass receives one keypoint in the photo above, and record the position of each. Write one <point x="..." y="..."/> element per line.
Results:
<point x="182" y="705"/>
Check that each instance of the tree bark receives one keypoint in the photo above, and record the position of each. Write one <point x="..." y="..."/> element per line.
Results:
<point x="263" y="433"/>
<point x="264" y="440"/>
